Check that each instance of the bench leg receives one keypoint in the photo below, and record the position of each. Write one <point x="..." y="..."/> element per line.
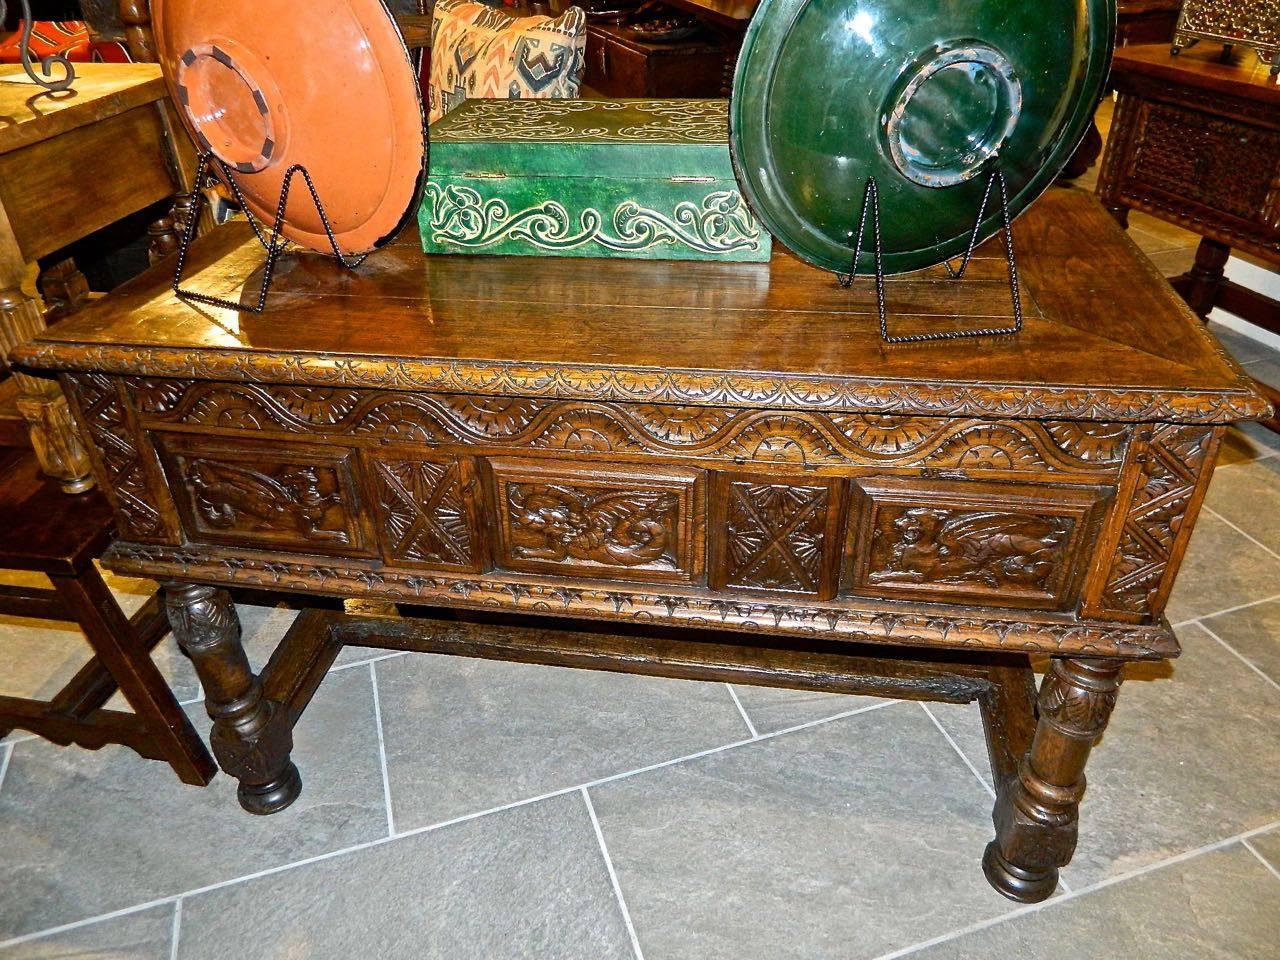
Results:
<point x="1036" y="814"/>
<point x="127" y="658"/>
<point x="252" y="737"/>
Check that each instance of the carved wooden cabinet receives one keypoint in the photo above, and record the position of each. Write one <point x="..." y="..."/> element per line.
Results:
<point x="716" y="446"/>
<point x="1196" y="141"/>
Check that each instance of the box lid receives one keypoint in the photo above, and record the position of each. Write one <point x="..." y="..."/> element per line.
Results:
<point x="634" y="139"/>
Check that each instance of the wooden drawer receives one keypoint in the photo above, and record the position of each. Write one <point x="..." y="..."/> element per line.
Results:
<point x="1213" y="161"/>
<point x="276" y="495"/>
<point x="625" y="522"/>
<point x="965" y="542"/>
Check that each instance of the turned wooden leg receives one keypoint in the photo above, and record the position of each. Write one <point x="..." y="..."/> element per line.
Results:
<point x="252" y="737"/>
<point x="1037" y="812"/>
<point x="1120" y="213"/>
<point x="1204" y="279"/>
<point x="166" y="233"/>
<point x="53" y="433"/>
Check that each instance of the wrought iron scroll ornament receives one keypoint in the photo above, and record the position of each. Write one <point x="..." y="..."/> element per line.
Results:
<point x="48" y="62"/>
<point x="212" y="167"/>
<point x="871" y="206"/>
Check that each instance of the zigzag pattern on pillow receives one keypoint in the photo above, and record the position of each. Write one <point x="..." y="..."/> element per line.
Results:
<point x="479" y="51"/>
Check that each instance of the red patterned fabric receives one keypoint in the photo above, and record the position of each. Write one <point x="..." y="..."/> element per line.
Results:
<point x="70" y="38"/>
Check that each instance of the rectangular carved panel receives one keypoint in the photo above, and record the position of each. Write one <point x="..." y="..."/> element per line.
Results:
<point x="633" y="522"/>
<point x="426" y="510"/>
<point x="1174" y="469"/>
<point x="288" y="496"/>
<point x="125" y="465"/>
<point x="959" y="542"/>
<point x="771" y="533"/>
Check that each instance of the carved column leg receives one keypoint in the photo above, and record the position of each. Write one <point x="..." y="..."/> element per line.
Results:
<point x="54" y="437"/>
<point x="252" y="737"/>
<point x="1205" y="278"/>
<point x="1037" y="811"/>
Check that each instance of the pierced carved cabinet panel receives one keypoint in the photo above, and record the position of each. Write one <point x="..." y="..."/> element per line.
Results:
<point x="959" y="542"/>
<point x="640" y="523"/>
<point x="294" y="496"/>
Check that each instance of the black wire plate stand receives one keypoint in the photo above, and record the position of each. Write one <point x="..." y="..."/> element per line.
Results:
<point x="871" y="205"/>
<point x="274" y="244"/>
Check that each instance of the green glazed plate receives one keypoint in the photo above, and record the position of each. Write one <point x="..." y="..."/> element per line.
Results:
<point x="922" y="95"/>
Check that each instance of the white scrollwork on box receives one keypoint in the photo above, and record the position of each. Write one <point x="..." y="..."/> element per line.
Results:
<point x="720" y="223"/>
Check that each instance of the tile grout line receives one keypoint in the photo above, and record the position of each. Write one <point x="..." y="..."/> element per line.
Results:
<point x="177" y="928"/>
<point x="1261" y="859"/>
<point x="613" y="876"/>
<point x="1248" y="536"/>
<point x="960" y="753"/>
<point x="755" y="735"/>
<point x="1225" y="611"/>
<point x="392" y="655"/>
<point x="1238" y="655"/>
<point x="382" y="749"/>
<point x="1075" y="894"/>
<point x="415" y="831"/>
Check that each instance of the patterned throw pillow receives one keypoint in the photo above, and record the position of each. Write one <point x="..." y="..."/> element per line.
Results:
<point x="477" y="51"/>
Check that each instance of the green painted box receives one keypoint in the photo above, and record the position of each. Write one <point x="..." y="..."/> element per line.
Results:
<point x="648" y="179"/>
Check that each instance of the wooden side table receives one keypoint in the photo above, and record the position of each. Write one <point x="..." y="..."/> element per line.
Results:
<point x="1196" y="141"/>
<point x="722" y="460"/>
<point x="71" y="163"/>
<point x="43" y="531"/>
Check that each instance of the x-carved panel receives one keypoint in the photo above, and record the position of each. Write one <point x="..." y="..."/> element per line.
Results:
<point x="424" y="513"/>
<point x="779" y="536"/>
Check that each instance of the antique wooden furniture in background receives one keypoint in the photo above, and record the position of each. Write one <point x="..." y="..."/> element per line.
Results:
<point x="44" y="531"/>
<point x="1196" y="142"/>
<point x="618" y="65"/>
<point x="71" y="163"/>
<point x="674" y="445"/>
<point x="1138" y="21"/>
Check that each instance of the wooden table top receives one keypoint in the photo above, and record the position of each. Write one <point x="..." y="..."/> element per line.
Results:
<point x="30" y="114"/>
<point x="1201" y="66"/>
<point x="1106" y="338"/>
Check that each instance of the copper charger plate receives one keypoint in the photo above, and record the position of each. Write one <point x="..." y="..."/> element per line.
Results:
<point x="273" y="83"/>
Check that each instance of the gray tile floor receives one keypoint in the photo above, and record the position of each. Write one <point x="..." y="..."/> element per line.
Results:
<point x="464" y="809"/>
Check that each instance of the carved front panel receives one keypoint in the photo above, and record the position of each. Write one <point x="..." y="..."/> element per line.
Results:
<point x="771" y="534"/>
<point x="249" y="493"/>
<point x="1011" y="544"/>
<point x="636" y="523"/>
<point x="426" y="510"/>
<point x="597" y="429"/>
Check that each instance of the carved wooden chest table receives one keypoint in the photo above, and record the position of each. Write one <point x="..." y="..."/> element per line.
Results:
<point x="727" y="447"/>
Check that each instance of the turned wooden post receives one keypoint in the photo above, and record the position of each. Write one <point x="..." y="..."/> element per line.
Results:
<point x="53" y="434"/>
<point x="1037" y="813"/>
<point x="1204" y="279"/>
<point x="252" y="737"/>
<point x="136" y="17"/>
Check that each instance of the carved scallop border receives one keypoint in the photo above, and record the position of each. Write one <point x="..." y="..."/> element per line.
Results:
<point x="646" y="385"/>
